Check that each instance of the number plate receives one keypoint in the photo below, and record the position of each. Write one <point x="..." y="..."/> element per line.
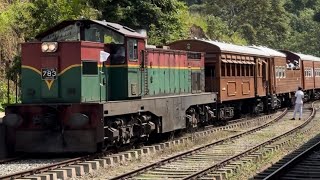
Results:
<point x="49" y="73"/>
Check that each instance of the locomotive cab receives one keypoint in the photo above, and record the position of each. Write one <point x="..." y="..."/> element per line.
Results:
<point x="82" y="61"/>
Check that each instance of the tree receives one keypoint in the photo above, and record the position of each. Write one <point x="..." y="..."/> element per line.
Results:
<point x="47" y="13"/>
<point x="259" y="22"/>
<point x="164" y="19"/>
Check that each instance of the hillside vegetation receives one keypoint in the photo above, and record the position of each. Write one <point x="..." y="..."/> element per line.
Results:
<point x="279" y="24"/>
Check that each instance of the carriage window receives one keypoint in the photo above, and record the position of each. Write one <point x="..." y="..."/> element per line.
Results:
<point x="223" y="69"/>
<point x="233" y="69"/>
<point x="133" y="49"/>
<point x="89" y="67"/>
<point x="228" y="69"/>
<point x="238" y="69"/>
<point x="248" y="69"/>
<point x="243" y="70"/>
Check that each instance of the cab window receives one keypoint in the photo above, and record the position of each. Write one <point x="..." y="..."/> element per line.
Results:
<point x="89" y="67"/>
<point x="132" y="49"/>
<point x="117" y="54"/>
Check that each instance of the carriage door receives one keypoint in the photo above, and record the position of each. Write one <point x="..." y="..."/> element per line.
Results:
<point x="265" y="75"/>
<point x="49" y="75"/>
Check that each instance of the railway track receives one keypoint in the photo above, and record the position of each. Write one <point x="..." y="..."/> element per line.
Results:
<point x="94" y="161"/>
<point x="11" y="159"/>
<point x="305" y="164"/>
<point x="186" y="164"/>
<point x="200" y="163"/>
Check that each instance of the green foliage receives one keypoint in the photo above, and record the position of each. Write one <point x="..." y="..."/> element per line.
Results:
<point x="51" y="12"/>
<point x="163" y="18"/>
<point x="4" y="96"/>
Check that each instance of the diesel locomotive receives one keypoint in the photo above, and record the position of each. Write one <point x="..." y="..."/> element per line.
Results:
<point x="87" y="85"/>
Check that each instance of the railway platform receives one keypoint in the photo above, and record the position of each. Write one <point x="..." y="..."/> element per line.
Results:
<point x="3" y="152"/>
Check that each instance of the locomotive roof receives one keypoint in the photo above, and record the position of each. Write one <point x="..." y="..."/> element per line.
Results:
<point x="126" y="31"/>
<point x="237" y="48"/>
<point x="270" y="51"/>
<point x="121" y="29"/>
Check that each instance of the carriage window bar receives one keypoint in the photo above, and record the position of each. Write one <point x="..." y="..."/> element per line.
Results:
<point x="280" y="72"/>
<point x="308" y="72"/>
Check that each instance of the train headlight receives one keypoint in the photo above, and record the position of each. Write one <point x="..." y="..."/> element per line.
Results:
<point x="44" y="47"/>
<point x="49" y="47"/>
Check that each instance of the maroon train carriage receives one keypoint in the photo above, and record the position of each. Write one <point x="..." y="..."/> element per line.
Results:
<point x="284" y="78"/>
<point x="306" y="66"/>
<point x="238" y="73"/>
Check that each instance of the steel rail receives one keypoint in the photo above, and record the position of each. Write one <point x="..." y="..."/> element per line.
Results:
<point x="94" y="156"/>
<point x="193" y="151"/>
<point x="296" y="160"/>
<point x="3" y="161"/>
<point x="44" y="168"/>
<point x="238" y="156"/>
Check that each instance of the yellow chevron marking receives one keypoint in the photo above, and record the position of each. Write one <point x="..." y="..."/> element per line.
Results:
<point x="32" y="68"/>
<point x="69" y="67"/>
<point x="49" y="83"/>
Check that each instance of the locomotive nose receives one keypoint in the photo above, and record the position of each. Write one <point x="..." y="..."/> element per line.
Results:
<point x="12" y="120"/>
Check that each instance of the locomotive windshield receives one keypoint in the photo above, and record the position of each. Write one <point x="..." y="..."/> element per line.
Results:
<point x="88" y="32"/>
<point x="97" y="33"/>
<point x="68" y="33"/>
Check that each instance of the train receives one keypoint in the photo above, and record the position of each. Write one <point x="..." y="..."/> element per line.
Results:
<point x="87" y="85"/>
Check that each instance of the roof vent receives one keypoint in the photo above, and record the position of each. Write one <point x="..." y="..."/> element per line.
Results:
<point x="112" y="27"/>
<point x="129" y="29"/>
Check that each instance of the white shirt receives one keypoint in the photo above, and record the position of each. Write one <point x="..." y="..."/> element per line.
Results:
<point x="299" y="97"/>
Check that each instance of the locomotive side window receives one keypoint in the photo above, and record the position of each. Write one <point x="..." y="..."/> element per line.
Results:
<point x="89" y="67"/>
<point x="132" y="49"/>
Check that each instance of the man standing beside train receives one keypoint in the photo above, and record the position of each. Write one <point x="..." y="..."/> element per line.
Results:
<point x="299" y="103"/>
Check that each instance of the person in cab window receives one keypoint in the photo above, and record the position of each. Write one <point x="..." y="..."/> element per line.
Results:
<point x="298" y="104"/>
